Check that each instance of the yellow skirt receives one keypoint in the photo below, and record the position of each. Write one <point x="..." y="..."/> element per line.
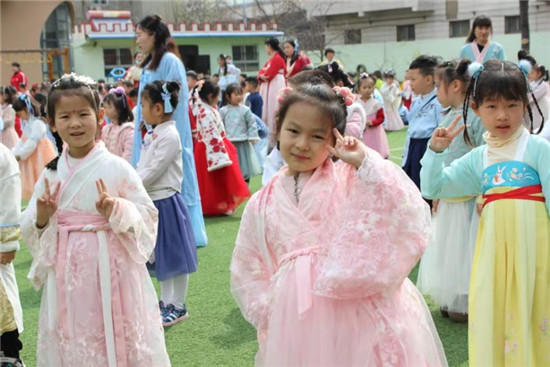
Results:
<point x="509" y="310"/>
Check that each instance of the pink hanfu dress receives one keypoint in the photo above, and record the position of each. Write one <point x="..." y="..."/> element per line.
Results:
<point x="99" y="307"/>
<point x="324" y="281"/>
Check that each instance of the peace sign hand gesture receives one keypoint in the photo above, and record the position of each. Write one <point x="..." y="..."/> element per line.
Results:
<point x="442" y="137"/>
<point x="105" y="203"/>
<point x="46" y="205"/>
<point x="348" y="149"/>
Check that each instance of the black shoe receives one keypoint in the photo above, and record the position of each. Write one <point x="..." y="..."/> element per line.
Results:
<point x="444" y="312"/>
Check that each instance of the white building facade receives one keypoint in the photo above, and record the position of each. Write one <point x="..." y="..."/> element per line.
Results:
<point x="390" y="34"/>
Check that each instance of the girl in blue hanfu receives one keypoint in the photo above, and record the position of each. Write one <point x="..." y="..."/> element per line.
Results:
<point x="509" y="299"/>
<point x="478" y="47"/>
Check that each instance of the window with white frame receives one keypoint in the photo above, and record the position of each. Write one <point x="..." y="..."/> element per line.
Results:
<point x="459" y="28"/>
<point x="117" y="58"/>
<point x="245" y="57"/>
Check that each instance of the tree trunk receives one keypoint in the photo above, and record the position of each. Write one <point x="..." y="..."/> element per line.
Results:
<point x="524" y="24"/>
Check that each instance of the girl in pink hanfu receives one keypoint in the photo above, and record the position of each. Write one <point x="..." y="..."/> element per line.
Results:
<point x="34" y="150"/>
<point x="118" y="135"/>
<point x="91" y="227"/>
<point x="272" y="80"/>
<point x="8" y="135"/>
<point x="322" y="256"/>
<point x="373" y="134"/>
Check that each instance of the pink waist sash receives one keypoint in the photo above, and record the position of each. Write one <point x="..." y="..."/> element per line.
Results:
<point x="72" y="221"/>
<point x="302" y="263"/>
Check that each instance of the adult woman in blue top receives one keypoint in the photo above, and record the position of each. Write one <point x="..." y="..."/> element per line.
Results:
<point x="478" y="47"/>
<point x="153" y="39"/>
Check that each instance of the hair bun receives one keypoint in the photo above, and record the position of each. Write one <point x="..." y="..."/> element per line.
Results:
<point x="173" y="86"/>
<point x="474" y="69"/>
<point x="525" y="66"/>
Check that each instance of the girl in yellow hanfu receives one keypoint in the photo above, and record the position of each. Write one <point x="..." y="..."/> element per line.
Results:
<point x="509" y="304"/>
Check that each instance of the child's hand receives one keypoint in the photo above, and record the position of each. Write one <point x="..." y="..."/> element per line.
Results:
<point x="442" y="137"/>
<point x="7" y="257"/>
<point x="348" y="149"/>
<point x="46" y="205"/>
<point x="369" y="123"/>
<point x="105" y="203"/>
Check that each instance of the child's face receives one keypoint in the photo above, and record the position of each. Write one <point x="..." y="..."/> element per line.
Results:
<point x="366" y="88"/>
<point x="389" y="80"/>
<point x="421" y="84"/>
<point x="216" y="79"/>
<point x="76" y="122"/>
<point x="248" y="88"/>
<point x="2" y="99"/>
<point x="235" y="98"/>
<point x="191" y="82"/>
<point x="330" y="56"/>
<point x="303" y="138"/>
<point x="152" y="113"/>
<point x="442" y="92"/>
<point x="23" y="114"/>
<point x="110" y="111"/>
<point x="534" y="74"/>
<point x="501" y="117"/>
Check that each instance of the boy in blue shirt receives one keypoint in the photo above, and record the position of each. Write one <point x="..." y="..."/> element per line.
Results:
<point x="424" y="115"/>
<point x="254" y="100"/>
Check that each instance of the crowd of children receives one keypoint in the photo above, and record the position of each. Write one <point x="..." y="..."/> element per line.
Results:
<point x="324" y="282"/>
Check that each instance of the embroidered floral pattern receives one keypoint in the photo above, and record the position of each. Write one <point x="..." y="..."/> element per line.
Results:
<point x="72" y="332"/>
<point x="211" y="133"/>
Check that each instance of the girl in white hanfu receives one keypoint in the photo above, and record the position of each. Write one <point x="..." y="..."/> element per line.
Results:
<point x="91" y="227"/>
<point x="392" y="100"/>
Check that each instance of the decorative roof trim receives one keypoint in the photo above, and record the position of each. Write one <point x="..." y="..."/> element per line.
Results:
<point x="237" y="28"/>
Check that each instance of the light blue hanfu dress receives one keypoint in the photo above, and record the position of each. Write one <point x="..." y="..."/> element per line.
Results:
<point x="171" y="69"/>
<point x="491" y="51"/>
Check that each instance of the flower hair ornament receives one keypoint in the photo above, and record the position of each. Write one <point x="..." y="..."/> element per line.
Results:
<point x="474" y="69"/>
<point x="196" y="90"/>
<point x="345" y="94"/>
<point x="166" y="96"/>
<point x="283" y="93"/>
<point x="121" y="92"/>
<point x="364" y="76"/>
<point x="117" y="90"/>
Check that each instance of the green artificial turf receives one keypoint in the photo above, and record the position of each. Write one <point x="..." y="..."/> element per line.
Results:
<point x="215" y="333"/>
